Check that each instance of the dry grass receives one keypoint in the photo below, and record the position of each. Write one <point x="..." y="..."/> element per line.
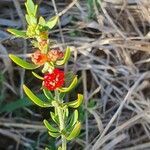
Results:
<point x="112" y="53"/>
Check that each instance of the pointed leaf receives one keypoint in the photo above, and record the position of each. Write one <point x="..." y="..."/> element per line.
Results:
<point x="66" y="57"/>
<point x="76" y="103"/>
<point x="59" y="148"/>
<point x="37" y="76"/>
<point x="28" y="19"/>
<point x="31" y="20"/>
<point x="54" y="117"/>
<point x="49" y="127"/>
<point x="34" y="98"/>
<point x="54" y="134"/>
<point x="75" y="132"/>
<point x="66" y="113"/>
<point x="48" y="94"/>
<point x="30" y="7"/>
<point x="52" y="22"/>
<point x="35" y="10"/>
<point x="22" y="62"/>
<point x="42" y="21"/>
<point x="73" y="120"/>
<point x="71" y="86"/>
<point x="17" y="33"/>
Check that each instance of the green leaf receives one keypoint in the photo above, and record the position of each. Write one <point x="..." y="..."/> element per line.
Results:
<point x="42" y="21"/>
<point x="12" y="106"/>
<point x="37" y="76"/>
<point x="47" y="67"/>
<point x="73" y="120"/>
<point x="49" y="127"/>
<point x="30" y="7"/>
<point x="66" y="113"/>
<point x="34" y="98"/>
<point x="35" y="10"/>
<point x="28" y="19"/>
<point x="31" y="20"/>
<point x="71" y="86"/>
<point x="18" y="33"/>
<point x="54" y="134"/>
<point x="48" y="94"/>
<point x="75" y="132"/>
<point x="52" y="22"/>
<point x="22" y="62"/>
<point x="76" y="103"/>
<point x="59" y="148"/>
<point x="54" y="117"/>
<point x="66" y="57"/>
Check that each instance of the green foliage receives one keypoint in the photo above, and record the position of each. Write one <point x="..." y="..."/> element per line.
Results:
<point x="76" y="103"/>
<point x="50" y="127"/>
<point x="34" y="98"/>
<point x="22" y="63"/>
<point x="52" y="22"/>
<point x="70" y="87"/>
<point x="91" y="12"/>
<point x="37" y="76"/>
<point x="65" y="124"/>
<point x="42" y="21"/>
<point x="75" y="132"/>
<point x="73" y="120"/>
<point x="54" y="134"/>
<point x="54" y="117"/>
<point x="48" y="94"/>
<point x="66" y="57"/>
<point x="17" y="33"/>
<point x="17" y="104"/>
<point x="31" y="8"/>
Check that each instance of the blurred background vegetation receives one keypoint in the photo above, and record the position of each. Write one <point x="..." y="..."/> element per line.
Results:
<point x="111" y="55"/>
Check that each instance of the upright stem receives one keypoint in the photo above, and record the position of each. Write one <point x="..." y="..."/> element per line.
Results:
<point x="61" y="122"/>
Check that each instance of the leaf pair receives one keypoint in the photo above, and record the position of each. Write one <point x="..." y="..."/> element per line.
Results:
<point x="35" y="99"/>
<point x="54" y="132"/>
<point x="75" y="132"/>
<point x="71" y="132"/>
<point x="73" y="128"/>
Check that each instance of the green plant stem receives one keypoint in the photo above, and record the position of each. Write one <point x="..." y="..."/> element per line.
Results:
<point x="61" y="121"/>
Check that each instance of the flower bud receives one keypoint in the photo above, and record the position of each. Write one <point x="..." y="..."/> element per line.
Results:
<point x="38" y="58"/>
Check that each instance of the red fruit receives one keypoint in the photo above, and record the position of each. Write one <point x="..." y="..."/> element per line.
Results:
<point x="54" y="80"/>
<point x="38" y="58"/>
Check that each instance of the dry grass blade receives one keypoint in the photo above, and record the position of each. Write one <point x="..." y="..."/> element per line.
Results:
<point x="8" y="67"/>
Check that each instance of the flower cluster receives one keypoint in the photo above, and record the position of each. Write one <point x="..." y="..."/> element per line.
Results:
<point x="38" y="58"/>
<point x="54" y="80"/>
<point x="53" y="55"/>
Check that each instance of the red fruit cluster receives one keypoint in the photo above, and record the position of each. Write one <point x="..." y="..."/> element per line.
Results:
<point x="54" y="80"/>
